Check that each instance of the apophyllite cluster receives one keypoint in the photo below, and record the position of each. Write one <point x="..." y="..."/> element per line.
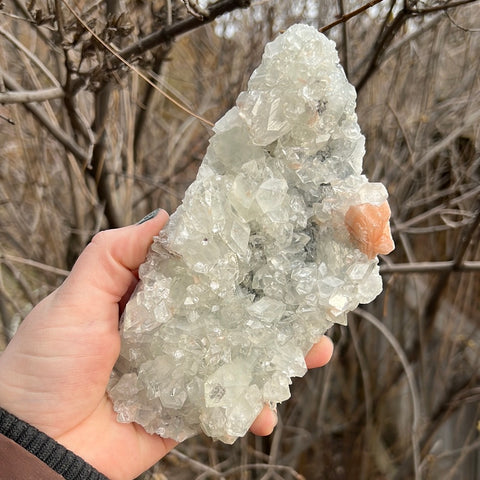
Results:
<point x="275" y="241"/>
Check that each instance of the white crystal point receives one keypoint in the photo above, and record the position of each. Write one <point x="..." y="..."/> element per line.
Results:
<point x="258" y="261"/>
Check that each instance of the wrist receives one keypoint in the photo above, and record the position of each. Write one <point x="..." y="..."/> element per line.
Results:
<point x="53" y="455"/>
<point x="12" y="395"/>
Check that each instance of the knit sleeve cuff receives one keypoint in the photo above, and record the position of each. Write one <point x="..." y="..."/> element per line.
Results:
<point x="54" y="455"/>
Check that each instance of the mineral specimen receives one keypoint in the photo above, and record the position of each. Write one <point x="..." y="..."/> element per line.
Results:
<point x="274" y="242"/>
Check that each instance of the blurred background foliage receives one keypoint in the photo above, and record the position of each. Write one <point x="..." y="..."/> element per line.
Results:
<point x="87" y="144"/>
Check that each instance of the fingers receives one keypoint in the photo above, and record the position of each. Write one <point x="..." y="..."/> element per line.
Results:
<point x="265" y="422"/>
<point x="320" y="354"/>
<point x="106" y="264"/>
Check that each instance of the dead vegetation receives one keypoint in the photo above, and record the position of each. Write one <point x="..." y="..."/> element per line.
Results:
<point x="86" y="144"/>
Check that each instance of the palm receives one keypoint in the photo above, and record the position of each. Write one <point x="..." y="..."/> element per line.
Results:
<point x="72" y="364"/>
<point x="61" y="359"/>
<point x="64" y="352"/>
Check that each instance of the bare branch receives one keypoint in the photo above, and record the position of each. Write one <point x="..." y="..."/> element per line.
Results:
<point x="430" y="267"/>
<point x="385" y="38"/>
<point x="79" y="124"/>
<point x="387" y="34"/>
<point x="19" y="45"/>
<point x="410" y="380"/>
<point x="438" y="8"/>
<point x="27" y="96"/>
<point x="194" y="463"/>
<point x="34" y="264"/>
<point x="99" y="159"/>
<point x="170" y="32"/>
<point x="40" y="115"/>
<point x="465" y="29"/>
<point x="447" y="405"/>
<point x="427" y="26"/>
<point x="348" y="16"/>
<point x="147" y="97"/>
<point x="99" y="168"/>
<point x="438" y="288"/>
<point x="345" y="46"/>
<point x="7" y="119"/>
<point x="472" y="119"/>
<point x="121" y="59"/>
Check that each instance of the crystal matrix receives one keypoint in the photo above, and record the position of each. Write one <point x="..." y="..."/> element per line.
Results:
<point x="259" y="260"/>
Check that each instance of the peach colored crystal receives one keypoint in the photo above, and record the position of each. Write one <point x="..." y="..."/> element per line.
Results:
<point x="369" y="226"/>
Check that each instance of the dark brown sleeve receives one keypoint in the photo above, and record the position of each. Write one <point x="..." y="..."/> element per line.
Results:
<point x="16" y="463"/>
<point x="26" y="453"/>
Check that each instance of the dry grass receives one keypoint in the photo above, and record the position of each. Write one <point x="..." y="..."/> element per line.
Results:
<point x="401" y="397"/>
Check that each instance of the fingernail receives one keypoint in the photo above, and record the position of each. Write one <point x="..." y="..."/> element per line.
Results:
<point x="149" y="216"/>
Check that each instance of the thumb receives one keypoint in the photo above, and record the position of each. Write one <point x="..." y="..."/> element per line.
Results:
<point x="107" y="267"/>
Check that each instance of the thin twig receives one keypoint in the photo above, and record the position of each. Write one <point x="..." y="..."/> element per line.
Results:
<point x="384" y="39"/>
<point x="7" y="119"/>
<point x="465" y="124"/>
<point x="410" y="379"/>
<point x="438" y="8"/>
<point x="460" y="27"/>
<point x="173" y="31"/>
<point x="274" y="449"/>
<point x="348" y="16"/>
<point x="170" y="32"/>
<point x="438" y="210"/>
<point x="195" y="464"/>
<point x="430" y="267"/>
<point x="20" y="4"/>
<point x="77" y="121"/>
<point x="20" y="46"/>
<point x="432" y="303"/>
<point x="450" y="402"/>
<point x="367" y="390"/>
<point x="32" y="263"/>
<point x="345" y="46"/>
<point x="265" y="466"/>
<point x="387" y="34"/>
<point x="406" y="40"/>
<point x="458" y="451"/>
<point x="147" y="97"/>
<point x="42" y="117"/>
<point x="100" y="170"/>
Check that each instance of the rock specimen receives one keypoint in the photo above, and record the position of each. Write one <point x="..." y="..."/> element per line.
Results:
<point x="274" y="242"/>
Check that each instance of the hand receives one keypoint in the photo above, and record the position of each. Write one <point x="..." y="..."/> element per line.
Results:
<point x="54" y="372"/>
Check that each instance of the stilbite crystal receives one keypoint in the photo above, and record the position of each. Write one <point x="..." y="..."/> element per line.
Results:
<point x="258" y="261"/>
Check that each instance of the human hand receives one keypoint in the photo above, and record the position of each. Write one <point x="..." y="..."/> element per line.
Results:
<point x="54" y="372"/>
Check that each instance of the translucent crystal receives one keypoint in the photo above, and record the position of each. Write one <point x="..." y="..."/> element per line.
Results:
<point x="271" y="245"/>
